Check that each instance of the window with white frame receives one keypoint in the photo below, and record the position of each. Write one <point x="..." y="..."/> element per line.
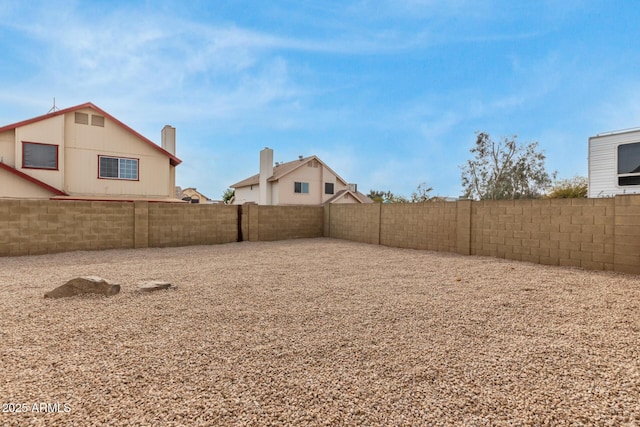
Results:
<point x="629" y="164"/>
<point x="36" y="155"/>
<point x="301" y="187"/>
<point x="118" y="168"/>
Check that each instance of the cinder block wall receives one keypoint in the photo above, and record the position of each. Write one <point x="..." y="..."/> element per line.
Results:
<point x="569" y="232"/>
<point x="595" y="234"/>
<point x="627" y="234"/>
<point x="360" y="223"/>
<point x="178" y="224"/>
<point x="30" y="227"/>
<point x="430" y="226"/>
<point x="598" y="234"/>
<point x="267" y="223"/>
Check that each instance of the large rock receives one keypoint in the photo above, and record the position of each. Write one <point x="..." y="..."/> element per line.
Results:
<point x="153" y="285"/>
<point x="84" y="285"/>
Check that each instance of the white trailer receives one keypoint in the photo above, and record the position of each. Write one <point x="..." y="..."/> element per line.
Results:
<point x="614" y="163"/>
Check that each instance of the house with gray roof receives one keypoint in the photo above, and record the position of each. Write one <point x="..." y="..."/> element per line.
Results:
<point x="305" y="181"/>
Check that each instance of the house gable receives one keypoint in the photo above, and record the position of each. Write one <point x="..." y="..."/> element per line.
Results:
<point x="348" y="196"/>
<point x="306" y="181"/>
<point x="88" y="105"/>
<point x="88" y="153"/>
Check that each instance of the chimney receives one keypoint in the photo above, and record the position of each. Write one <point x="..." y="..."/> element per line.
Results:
<point x="300" y="158"/>
<point x="266" y="171"/>
<point x="353" y="187"/>
<point x="169" y="139"/>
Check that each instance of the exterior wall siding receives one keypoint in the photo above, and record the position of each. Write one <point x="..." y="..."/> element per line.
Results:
<point x="603" y="164"/>
<point x="45" y="132"/>
<point x="18" y="188"/>
<point x="85" y="143"/>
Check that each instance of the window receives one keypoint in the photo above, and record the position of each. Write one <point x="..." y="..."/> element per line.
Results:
<point x="97" y="120"/>
<point x="39" y="156"/>
<point x="328" y="188"/>
<point x="117" y="168"/>
<point x="301" y="187"/>
<point x="629" y="164"/>
<point x="82" y="118"/>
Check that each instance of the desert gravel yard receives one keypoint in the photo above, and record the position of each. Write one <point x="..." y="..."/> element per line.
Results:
<point x="317" y="332"/>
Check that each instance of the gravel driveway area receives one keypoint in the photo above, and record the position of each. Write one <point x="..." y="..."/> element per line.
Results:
<point x="317" y="332"/>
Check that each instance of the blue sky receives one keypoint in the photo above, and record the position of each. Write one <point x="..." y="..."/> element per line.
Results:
<point x="388" y="93"/>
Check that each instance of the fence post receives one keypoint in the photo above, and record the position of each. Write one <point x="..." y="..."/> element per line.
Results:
<point x="463" y="227"/>
<point x="141" y="224"/>
<point x="326" y="232"/>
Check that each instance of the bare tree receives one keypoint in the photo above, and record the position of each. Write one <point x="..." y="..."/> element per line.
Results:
<point x="505" y="170"/>
<point x="421" y="194"/>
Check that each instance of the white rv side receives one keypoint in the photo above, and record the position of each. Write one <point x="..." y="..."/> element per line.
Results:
<point x="614" y="163"/>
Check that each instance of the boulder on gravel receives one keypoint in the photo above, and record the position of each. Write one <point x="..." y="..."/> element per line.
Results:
<point x="84" y="285"/>
<point x="153" y="285"/>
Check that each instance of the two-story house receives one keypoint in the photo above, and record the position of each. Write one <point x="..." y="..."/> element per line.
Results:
<point x="84" y="153"/>
<point x="306" y="181"/>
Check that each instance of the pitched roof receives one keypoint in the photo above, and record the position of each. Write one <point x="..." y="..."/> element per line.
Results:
<point x="172" y="158"/>
<point x="32" y="180"/>
<point x="193" y="190"/>
<point x="362" y="198"/>
<point x="283" y="169"/>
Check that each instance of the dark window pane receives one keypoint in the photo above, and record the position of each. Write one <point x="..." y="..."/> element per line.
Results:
<point x="328" y="188"/>
<point x="40" y="156"/>
<point x="629" y="158"/>
<point x="108" y="167"/>
<point x="628" y="180"/>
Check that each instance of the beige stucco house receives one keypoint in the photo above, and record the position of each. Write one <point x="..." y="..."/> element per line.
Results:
<point x="84" y="153"/>
<point x="194" y="196"/>
<point x="306" y="181"/>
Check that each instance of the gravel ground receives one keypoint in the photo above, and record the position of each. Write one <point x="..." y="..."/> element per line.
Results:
<point x="317" y="332"/>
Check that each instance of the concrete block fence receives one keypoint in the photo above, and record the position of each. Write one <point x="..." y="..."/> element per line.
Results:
<point x="595" y="234"/>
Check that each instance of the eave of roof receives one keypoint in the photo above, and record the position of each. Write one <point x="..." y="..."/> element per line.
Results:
<point x="284" y="169"/>
<point x="172" y="158"/>
<point x="362" y="198"/>
<point x="252" y="180"/>
<point x="107" y="198"/>
<point x="33" y="180"/>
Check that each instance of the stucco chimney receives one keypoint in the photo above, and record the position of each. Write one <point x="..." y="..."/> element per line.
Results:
<point x="266" y="170"/>
<point x="169" y="139"/>
<point x="353" y="187"/>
